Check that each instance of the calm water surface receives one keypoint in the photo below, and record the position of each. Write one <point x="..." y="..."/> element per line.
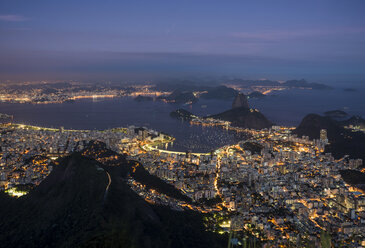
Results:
<point x="284" y="108"/>
<point x="289" y="107"/>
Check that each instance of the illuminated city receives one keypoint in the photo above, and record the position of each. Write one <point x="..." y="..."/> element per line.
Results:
<point x="283" y="184"/>
<point x="182" y="124"/>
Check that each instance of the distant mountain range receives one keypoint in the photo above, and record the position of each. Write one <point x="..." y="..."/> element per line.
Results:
<point x="302" y="83"/>
<point x="183" y="90"/>
<point x="74" y="207"/>
<point x="201" y="85"/>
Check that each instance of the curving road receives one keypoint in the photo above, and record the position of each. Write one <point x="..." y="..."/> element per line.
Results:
<point x="107" y="187"/>
<point x="150" y="148"/>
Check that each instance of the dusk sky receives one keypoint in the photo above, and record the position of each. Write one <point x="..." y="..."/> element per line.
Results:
<point x="117" y="39"/>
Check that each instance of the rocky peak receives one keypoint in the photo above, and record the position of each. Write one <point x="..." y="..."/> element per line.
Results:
<point x="240" y="101"/>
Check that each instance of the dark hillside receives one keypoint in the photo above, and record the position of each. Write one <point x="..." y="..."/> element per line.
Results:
<point x="73" y="207"/>
<point x="342" y="141"/>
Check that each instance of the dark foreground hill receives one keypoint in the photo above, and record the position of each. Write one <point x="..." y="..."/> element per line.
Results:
<point x="73" y="207"/>
<point x="342" y="141"/>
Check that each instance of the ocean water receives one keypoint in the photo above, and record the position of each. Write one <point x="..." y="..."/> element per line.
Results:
<point x="283" y="108"/>
<point x="289" y="107"/>
<point x="122" y="112"/>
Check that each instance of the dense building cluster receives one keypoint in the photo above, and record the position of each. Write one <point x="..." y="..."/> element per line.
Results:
<point x="281" y="188"/>
<point x="59" y="92"/>
<point x="58" y="96"/>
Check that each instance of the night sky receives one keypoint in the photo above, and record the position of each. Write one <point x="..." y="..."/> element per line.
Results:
<point x="87" y="40"/>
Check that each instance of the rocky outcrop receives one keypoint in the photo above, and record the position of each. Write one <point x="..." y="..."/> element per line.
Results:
<point x="240" y="101"/>
<point x="244" y="117"/>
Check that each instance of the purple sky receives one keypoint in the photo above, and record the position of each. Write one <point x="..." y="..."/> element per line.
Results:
<point x="115" y="39"/>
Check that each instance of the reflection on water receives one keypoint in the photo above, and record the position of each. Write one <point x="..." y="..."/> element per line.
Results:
<point x="109" y="113"/>
<point x="285" y="108"/>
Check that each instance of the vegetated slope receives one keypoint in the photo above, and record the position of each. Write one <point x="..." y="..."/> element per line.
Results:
<point x="98" y="151"/>
<point x="182" y="114"/>
<point x="354" y="178"/>
<point x="312" y="124"/>
<point x="355" y="121"/>
<point x="70" y="208"/>
<point x="342" y="141"/>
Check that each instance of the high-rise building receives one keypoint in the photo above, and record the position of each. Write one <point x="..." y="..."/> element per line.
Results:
<point x="323" y="136"/>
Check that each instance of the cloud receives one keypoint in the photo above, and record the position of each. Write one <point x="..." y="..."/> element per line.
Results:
<point x="12" y="18"/>
<point x="279" y="35"/>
